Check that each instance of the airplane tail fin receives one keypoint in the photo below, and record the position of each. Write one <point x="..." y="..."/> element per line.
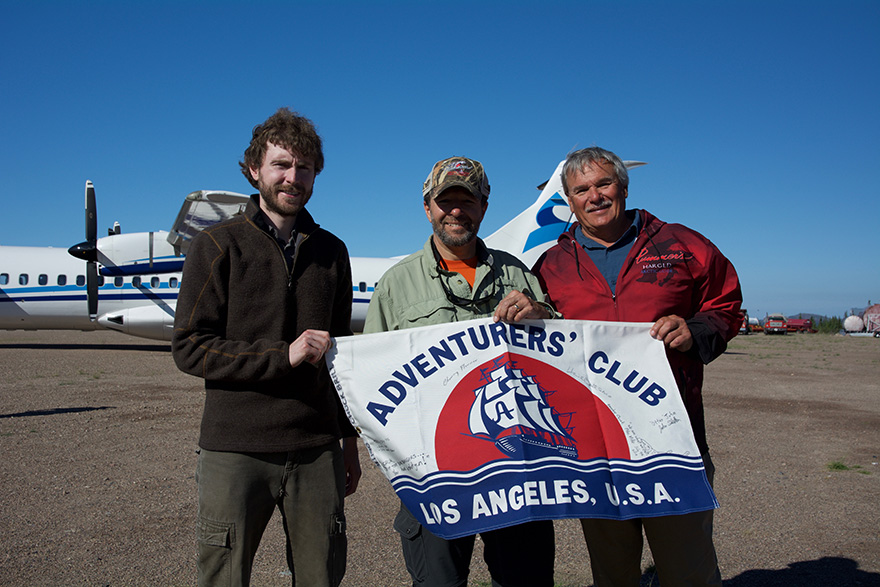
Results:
<point x="535" y="229"/>
<point x="538" y="227"/>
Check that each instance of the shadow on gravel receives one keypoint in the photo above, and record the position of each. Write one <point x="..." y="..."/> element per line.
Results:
<point x="91" y="347"/>
<point x="826" y="571"/>
<point x="53" y="412"/>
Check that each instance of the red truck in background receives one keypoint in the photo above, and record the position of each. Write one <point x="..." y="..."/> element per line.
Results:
<point x="744" y="327"/>
<point x="800" y="325"/>
<point x="775" y="324"/>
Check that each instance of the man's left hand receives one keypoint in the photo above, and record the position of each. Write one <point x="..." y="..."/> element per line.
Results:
<point x="518" y="306"/>
<point x="674" y="332"/>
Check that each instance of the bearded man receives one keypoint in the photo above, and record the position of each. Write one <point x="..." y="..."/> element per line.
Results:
<point x="263" y="293"/>
<point x="455" y="277"/>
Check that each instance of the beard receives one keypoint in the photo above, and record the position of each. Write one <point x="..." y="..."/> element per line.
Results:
<point x="271" y="199"/>
<point x="450" y="240"/>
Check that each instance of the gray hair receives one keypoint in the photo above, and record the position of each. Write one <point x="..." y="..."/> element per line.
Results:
<point x="578" y="160"/>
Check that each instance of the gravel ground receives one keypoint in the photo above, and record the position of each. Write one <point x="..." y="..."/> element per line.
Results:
<point x="98" y="435"/>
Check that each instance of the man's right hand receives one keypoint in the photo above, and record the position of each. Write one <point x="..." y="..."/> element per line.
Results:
<point x="674" y="332"/>
<point x="309" y="347"/>
<point x="518" y="306"/>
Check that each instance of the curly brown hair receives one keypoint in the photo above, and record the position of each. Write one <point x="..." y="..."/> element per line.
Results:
<point x="286" y="129"/>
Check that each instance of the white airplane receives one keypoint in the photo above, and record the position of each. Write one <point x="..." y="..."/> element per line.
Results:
<point x="129" y="282"/>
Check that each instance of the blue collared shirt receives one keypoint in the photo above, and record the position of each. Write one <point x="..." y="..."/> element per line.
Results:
<point x="609" y="260"/>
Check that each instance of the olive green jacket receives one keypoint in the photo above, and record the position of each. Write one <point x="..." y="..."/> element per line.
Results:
<point x="412" y="293"/>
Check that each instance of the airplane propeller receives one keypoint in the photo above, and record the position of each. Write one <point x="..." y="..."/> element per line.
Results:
<point x="88" y="251"/>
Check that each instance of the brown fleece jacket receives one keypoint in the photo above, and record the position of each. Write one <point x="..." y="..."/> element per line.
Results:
<point x="238" y="310"/>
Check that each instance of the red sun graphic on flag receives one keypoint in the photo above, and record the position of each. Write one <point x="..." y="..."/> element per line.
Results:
<point x="517" y="407"/>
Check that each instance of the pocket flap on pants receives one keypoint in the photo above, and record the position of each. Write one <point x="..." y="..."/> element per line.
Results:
<point x="406" y="524"/>
<point x="215" y="533"/>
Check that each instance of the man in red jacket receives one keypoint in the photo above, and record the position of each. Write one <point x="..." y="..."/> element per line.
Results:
<point x="626" y="265"/>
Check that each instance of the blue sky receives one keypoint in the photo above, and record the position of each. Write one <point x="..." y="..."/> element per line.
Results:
<point x="759" y="119"/>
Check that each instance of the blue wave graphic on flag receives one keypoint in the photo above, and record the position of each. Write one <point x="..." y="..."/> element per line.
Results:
<point x="465" y="478"/>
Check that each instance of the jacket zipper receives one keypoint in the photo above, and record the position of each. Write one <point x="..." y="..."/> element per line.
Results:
<point x="299" y="244"/>
<point x="283" y="258"/>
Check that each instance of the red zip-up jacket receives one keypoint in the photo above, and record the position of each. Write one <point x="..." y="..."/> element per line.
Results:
<point x="670" y="269"/>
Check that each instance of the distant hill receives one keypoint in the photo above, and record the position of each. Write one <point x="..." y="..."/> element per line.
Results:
<point x="816" y="318"/>
<point x="819" y="317"/>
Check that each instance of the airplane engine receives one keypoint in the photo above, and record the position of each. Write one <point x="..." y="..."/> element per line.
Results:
<point x="155" y="322"/>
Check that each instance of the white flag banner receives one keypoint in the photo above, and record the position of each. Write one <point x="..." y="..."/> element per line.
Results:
<point x="480" y="425"/>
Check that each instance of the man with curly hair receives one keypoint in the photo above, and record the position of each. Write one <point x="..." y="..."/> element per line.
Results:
<point x="263" y="294"/>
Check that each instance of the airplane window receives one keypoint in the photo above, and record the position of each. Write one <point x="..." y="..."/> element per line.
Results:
<point x="362" y="286"/>
<point x="80" y="280"/>
<point x="23" y="279"/>
<point x="172" y="282"/>
<point x="118" y="281"/>
<point x="101" y="281"/>
<point x="62" y="280"/>
<point x="43" y="279"/>
<point x="136" y="281"/>
<point x="154" y="282"/>
<point x="4" y="278"/>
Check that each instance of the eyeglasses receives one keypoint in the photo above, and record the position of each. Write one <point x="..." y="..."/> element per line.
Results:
<point x="466" y="302"/>
<point x="457" y="300"/>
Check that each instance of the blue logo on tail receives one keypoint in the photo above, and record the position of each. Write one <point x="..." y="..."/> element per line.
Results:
<point x="550" y="226"/>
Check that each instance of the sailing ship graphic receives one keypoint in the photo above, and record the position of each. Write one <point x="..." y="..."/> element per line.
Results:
<point x="511" y="409"/>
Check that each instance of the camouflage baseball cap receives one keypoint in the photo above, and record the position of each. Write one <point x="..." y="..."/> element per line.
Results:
<point x="456" y="171"/>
